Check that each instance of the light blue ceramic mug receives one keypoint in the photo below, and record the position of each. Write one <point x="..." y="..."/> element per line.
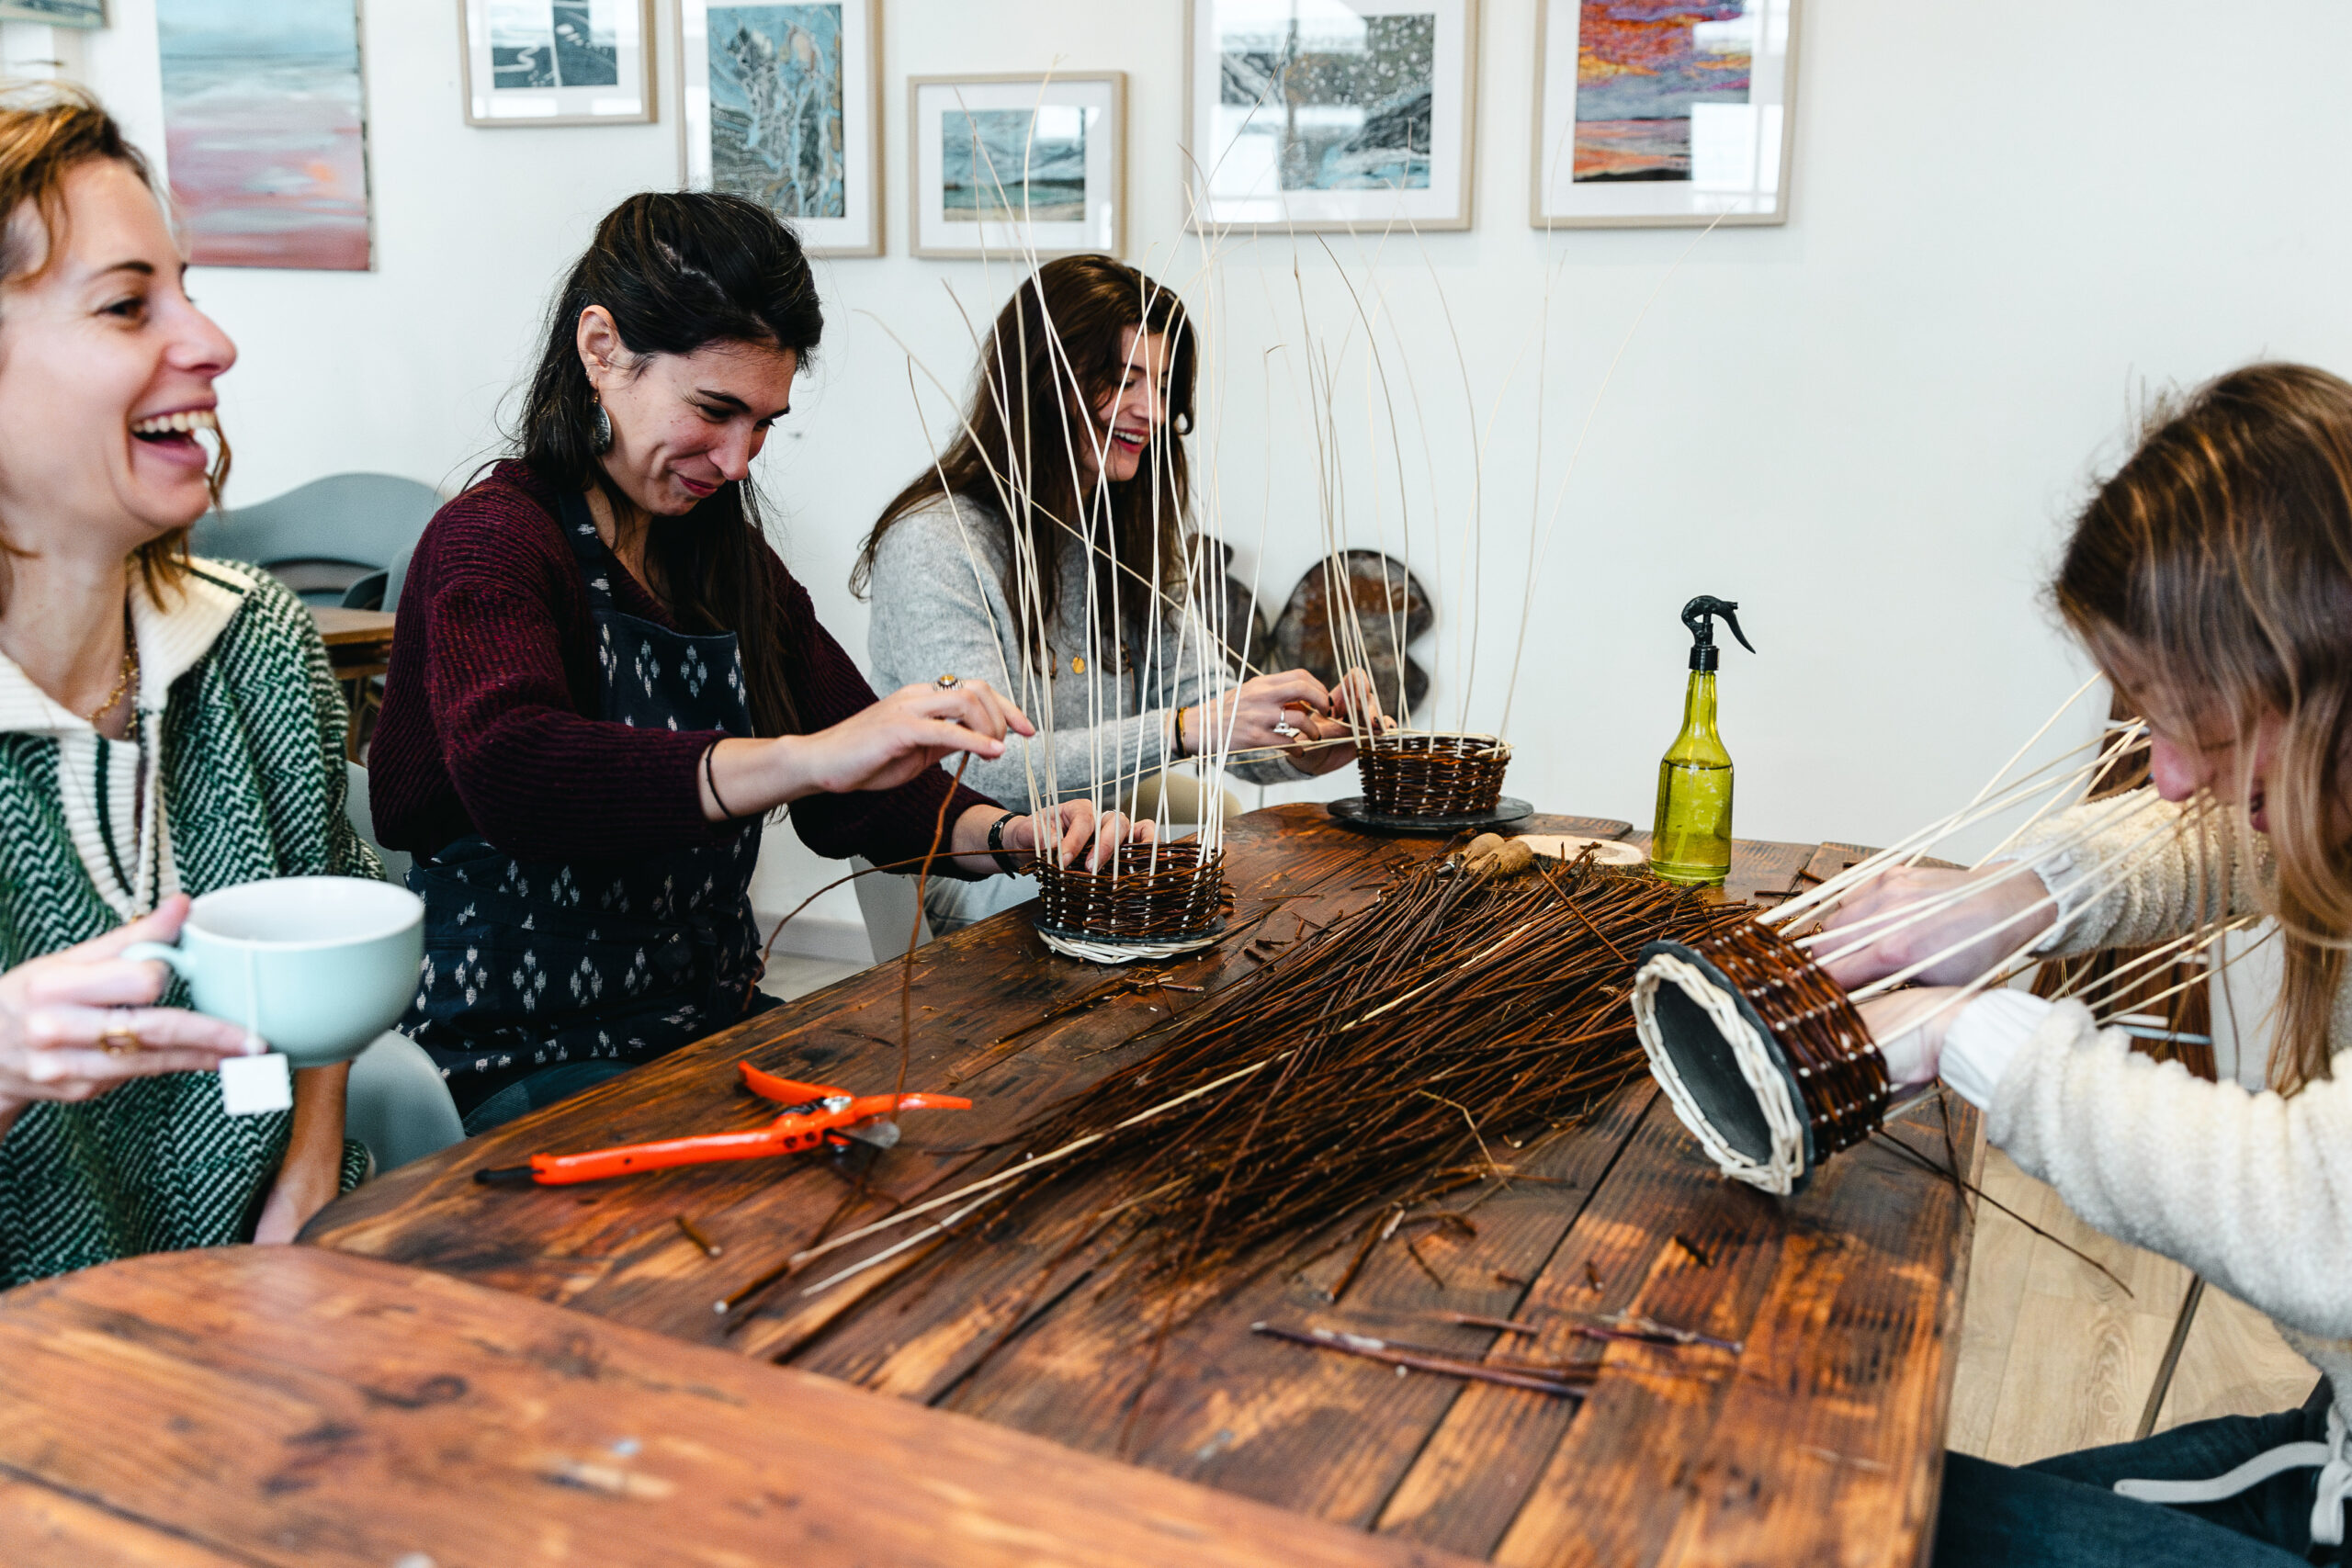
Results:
<point x="316" y="965"/>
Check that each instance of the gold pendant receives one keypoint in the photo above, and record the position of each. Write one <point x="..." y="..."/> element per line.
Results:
<point x="1078" y="665"/>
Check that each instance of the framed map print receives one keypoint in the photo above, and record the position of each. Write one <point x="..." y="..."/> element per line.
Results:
<point x="557" y="61"/>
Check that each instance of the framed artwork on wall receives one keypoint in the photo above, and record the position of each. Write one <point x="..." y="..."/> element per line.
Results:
<point x="557" y="61"/>
<point x="1659" y="113"/>
<point x="57" y="13"/>
<point x="1329" y="113"/>
<point x="1003" y="166"/>
<point x="266" y="131"/>
<point x="783" y="105"/>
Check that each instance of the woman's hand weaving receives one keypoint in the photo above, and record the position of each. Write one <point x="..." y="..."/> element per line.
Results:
<point x="1872" y="937"/>
<point x="879" y="748"/>
<point x="1085" y="839"/>
<point x="1291" y="711"/>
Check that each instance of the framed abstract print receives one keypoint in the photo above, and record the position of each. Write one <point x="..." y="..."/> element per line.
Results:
<point x="1331" y="114"/>
<point x="265" y="132"/>
<point x="1011" y="165"/>
<point x="557" y="61"/>
<point x="1656" y="113"/>
<point x="783" y="105"/>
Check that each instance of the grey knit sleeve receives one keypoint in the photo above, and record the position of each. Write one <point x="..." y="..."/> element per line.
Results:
<point x="940" y="609"/>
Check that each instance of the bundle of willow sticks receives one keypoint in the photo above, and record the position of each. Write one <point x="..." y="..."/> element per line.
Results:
<point x="1381" y="1062"/>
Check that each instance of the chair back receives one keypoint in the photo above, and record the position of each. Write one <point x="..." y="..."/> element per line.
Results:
<point x="361" y="816"/>
<point x="361" y="521"/>
<point x="889" y="904"/>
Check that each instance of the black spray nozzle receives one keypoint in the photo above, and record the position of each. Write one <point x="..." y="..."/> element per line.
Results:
<point x="1699" y="615"/>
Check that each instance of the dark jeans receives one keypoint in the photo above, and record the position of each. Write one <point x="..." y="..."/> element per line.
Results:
<point x="2064" y="1512"/>
<point x="538" y="1091"/>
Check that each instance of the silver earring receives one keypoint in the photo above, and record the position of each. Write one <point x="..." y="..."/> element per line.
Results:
<point x="601" y="437"/>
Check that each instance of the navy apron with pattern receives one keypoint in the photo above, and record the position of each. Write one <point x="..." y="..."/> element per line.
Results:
<point x="529" y="964"/>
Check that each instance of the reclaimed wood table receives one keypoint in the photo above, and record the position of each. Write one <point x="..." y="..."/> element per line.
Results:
<point x="311" y="1409"/>
<point x="359" y="647"/>
<point x="1820" y="1442"/>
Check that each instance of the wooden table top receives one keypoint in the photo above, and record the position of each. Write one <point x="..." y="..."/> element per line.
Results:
<point x="338" y="627"/>
<point x="1820" y="1442"/>
<point x="289" y="1405"/>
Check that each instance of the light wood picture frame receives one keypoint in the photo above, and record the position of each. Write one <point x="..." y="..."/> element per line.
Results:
<point x="1361" y="115"/>
<point x="56" y="13"/>
<point x="1012" y="164"/>
<point x="539" y="62"/>
<point x="1699" y="136"/>
<point x="783" y="103"/>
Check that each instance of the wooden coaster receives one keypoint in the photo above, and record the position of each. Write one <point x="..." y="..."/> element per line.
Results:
<point x="1566" y="846"/>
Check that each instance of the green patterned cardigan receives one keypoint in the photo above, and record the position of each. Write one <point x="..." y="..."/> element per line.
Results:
<point x="252" y="785"/>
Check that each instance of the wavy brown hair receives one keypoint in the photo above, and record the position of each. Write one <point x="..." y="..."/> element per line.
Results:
<point x="679" y="271"/>
<point x="2212" y="578"/>
<point x="46" y="132"/>
<point x="1057" y="349"/>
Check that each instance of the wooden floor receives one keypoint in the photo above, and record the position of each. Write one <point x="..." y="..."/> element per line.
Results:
<point x="2054" y="1357"/>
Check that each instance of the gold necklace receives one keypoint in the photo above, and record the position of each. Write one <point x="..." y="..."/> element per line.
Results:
<point x="130" y="675"/>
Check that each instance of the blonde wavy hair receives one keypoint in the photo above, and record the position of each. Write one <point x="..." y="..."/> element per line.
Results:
<point x="2212" y="578"/>
<point x="47" y="131"/>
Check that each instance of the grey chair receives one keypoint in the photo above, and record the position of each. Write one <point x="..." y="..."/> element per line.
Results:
<point x="888" y="903"/>
<point x="398" y="1104"/>
<point x="333" y="541"/>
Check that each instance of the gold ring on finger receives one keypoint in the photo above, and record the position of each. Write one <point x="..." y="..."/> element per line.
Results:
<point x="120" y="1041"/>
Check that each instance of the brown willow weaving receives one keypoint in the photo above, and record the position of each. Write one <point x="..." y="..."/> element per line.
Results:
<point x="1151" y="894"/>
<point x="1433" y="776"/>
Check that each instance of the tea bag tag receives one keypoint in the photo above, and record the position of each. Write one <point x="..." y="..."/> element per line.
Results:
<point x="251" y="1085"/>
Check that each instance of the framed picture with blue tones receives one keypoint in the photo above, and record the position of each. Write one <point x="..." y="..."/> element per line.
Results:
<point x="1015" y="165"/>
<point x="1663" y="113"/>
<point x="57" y="13"/>
<point x="557" y="61"/>
<point x="783" y="105"/>
<point x="1331" y="114"/>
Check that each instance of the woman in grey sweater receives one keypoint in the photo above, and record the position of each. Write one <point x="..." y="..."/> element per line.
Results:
<point x="1123" y="675"/>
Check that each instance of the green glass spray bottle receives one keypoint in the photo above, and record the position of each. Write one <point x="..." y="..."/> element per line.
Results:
<point x="1691" y="842"/>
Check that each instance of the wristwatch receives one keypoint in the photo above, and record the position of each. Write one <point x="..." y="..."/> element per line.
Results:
<point x="1004" y="861"/>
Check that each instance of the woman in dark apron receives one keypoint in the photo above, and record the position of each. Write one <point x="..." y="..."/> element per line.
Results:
<point x="604" y="679"/>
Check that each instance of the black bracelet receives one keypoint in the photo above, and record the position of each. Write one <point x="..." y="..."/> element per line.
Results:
<point x="1004" y="861"/>
<point x="711" y="779"/>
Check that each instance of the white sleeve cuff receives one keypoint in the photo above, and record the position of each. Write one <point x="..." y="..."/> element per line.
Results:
<point x="2062" y="874"/>
<point x="1985" y="1038"/>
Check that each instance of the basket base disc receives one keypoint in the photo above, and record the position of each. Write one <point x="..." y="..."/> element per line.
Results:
<point x="1356" y="812"/>
<point x="1101" y="949"/>
<point x="1710" y="1074"/>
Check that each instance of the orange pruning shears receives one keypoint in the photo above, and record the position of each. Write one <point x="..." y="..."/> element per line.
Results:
<point x="815" y="1115"/>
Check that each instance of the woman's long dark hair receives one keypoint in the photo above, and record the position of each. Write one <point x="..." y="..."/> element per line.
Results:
<point x="679" y="271"/>
<point x="1023" y="422"/>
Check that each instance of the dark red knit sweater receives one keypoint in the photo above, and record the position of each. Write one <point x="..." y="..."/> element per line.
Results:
<point x="490" y="720"/>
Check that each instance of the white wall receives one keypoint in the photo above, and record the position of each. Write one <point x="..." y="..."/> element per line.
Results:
<point x="2009" y="219"/>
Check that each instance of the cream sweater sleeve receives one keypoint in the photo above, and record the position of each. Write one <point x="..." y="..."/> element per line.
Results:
<point x="2172" y="883"/>
<point x="2252" y="1191"/>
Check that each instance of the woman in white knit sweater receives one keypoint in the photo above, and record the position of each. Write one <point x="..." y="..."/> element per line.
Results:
<point x="2212" y="578"/>
<point x="1074" y="438"/>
